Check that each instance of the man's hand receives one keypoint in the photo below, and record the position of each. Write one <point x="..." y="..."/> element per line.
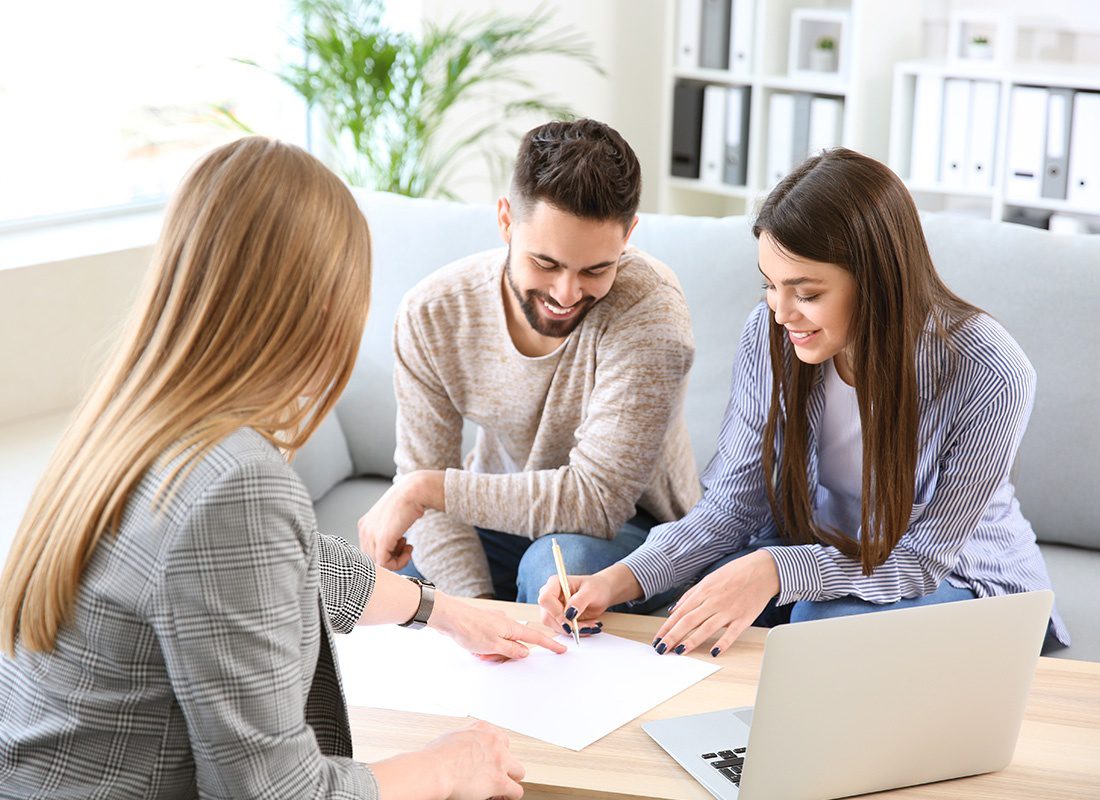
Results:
<point x="382" y="529"/>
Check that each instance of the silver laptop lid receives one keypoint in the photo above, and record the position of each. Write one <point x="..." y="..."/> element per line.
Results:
<point x="893" y="698"/>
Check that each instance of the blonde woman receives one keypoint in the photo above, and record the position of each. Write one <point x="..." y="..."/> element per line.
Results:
<point x="167" y="608"/>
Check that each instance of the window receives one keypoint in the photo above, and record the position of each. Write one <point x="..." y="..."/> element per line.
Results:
<point x="106" y="104"/>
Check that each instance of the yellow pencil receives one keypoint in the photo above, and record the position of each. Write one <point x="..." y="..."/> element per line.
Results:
<point x="564" y="578"/>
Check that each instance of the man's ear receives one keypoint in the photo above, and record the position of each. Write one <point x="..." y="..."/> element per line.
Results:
<point x="504" y="219"/>
<point x="630" y="231"/>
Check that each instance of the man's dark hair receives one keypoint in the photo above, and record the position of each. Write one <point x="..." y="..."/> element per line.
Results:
<point x="582" y="167"/>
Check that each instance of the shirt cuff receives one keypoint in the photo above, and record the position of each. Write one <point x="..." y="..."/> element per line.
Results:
<point x="799" y="572"/>
<point x="652" y="569"/>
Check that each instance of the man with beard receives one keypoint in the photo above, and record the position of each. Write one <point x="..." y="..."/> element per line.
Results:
<point x="569" y="350"/>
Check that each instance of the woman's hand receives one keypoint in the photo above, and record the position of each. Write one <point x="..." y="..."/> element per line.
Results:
<point x="478" y="762"/>
<point x="382" y="529"/>
<point x="487" y="634"/>
<point x="726" y="602"/>
<point x="590" y="597"/>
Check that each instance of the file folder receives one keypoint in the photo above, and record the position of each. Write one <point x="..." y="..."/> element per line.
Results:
<point x="924" y="159"/>
<point x="826" y="124"/>
<point x="741" y="36"/>
<point x="687" y="121"/>
<point x="1084" y="155"/>
<point x="984" y="108"/>
<point x="688" y="31"/>
<point x="780" y="137"/>
<point x="956" y="132"/>
<point x="1026" y="145"/>
<point x="1056" y="164"/>
<point x="713" y="147"/>
<point x="737" y="136"/>
<point x="714" y="48"/>
<point x="800" y="136"/>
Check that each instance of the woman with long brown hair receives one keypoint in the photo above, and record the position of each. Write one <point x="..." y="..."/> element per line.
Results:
<point x="864" y="459"/>
<point x="167" y="606"/>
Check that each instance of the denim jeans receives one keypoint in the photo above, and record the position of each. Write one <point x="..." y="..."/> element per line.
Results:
<point x="519" y="567"/>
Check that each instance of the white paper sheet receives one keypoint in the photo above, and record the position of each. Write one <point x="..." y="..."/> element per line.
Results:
<point x="422" y="671"/>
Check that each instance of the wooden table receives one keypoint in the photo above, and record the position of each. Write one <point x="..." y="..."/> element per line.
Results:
<point x="1057" y="757"/>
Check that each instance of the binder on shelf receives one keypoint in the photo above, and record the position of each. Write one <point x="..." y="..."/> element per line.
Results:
<point x="687" y="120"/>
<point x="1083" y="190"/>
<point x="1056" y="162"/>
<point x="713" y="147"/>
<point x="826" y="115"/>
<point x="688" y="31"/>
<point x="956" y="127"/>
<point x="1026" y="148"/>
<point x="780" y="137"/>
<point x="737" y="136"/>
<point x="800" y="136"/>
<point x="924" y="159"/>
<point x="984" y="107"/>
<point x="741" y="22"/>
<point x="714" y="45"/>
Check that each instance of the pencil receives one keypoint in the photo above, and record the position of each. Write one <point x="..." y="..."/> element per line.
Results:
<point x="564" y="578"/>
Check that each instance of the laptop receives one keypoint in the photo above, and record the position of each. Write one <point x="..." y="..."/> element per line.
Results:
<point x="872" y="702"/>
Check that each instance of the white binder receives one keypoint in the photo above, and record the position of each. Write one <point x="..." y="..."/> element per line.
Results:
<point x="780" y="137"/>
<point x="689" y="33"/>
<point x="713" y="148"/>
<point x="1084" y="155"/>
<point x="1055" y="166"/>
<point x="1026" y="146"/>
<point x="984" y="107"/>
<point x="924" y="160"/>
<point x="741" y="35"/>
<point x="826" y="114"/>
<point x="956" y="132"/>
<point x="737" y="136"/>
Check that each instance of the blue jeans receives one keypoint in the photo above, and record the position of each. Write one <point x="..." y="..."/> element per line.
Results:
<point x="519" y="567"/>
<point x="807" y="610"/>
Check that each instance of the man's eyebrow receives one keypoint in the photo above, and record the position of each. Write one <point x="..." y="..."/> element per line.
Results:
<point x="557" y="263"/>
<point x="794" y="281"/>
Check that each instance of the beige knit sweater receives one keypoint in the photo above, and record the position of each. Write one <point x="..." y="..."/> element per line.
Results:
<point x="568" y="442"/>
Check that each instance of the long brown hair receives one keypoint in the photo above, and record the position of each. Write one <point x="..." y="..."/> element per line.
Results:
<point x="844" y="208"/>
<point x="250" y="316"/>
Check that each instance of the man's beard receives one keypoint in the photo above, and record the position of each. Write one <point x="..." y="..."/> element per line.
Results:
<point x="555" y="329"/>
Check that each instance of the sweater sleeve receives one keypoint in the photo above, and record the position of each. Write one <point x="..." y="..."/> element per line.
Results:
<point x="642" y="361"/>
<point x="429" y="436"/>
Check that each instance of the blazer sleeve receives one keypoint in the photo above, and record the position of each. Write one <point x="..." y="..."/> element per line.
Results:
<point x="229" y="615"/>
<point x="347" y="581"/>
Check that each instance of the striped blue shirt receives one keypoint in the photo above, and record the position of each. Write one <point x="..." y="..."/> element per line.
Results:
<point x="966" y="527"/>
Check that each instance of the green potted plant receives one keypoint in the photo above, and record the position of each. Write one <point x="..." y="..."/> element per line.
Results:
<point x="823" y="57"/>
<point x="979" y="47"/>
<point x="404" y="112"/>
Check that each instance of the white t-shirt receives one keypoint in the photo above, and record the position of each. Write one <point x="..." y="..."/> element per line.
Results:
<point x="839" y="457"/>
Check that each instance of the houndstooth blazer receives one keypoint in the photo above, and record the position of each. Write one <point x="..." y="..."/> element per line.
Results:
<point x="199" y="661"/>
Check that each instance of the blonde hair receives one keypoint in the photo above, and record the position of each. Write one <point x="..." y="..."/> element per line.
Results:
<point x="250" y="316"/>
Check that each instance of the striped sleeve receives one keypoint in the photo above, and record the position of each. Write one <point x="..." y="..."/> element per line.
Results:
<point x="734" y="503"/>
<point x="973" y="463"/>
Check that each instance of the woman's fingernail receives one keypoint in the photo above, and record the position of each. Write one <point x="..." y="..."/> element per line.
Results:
<point x="567" y="629"/>
<point x="657" y="641"/>
<point x="599" y="624"/>
<point x="661" y="648"/>
<point x="672" y="608"/>
<point x="590" y="630"/>
<point x="714" y="652"/>
<point x="679" y="649"/>
<point x="570" y="612"/>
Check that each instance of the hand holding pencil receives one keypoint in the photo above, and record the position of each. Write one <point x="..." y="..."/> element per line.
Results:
<point x="573" y="603"/>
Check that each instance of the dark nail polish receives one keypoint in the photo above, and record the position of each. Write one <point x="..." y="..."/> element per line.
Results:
<point x="679" y="649"/>
<point x="714" y="653"/>
<point x="567" y="629"/>
<point x="661" y="648"/>
<point x="570" y="612"/>
<point x="599" y="624"/>
<point x="671" y="608"/>
<point x="657" y="641"/>
<point x="592" y="630"/>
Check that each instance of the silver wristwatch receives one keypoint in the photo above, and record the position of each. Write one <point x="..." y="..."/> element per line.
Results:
<point x="427" y="603"/>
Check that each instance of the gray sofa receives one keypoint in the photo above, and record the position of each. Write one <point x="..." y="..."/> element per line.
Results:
<point x="1044" y="288"/>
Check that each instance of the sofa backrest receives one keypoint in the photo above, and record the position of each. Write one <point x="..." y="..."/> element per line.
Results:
<point x="1028" y="279"/>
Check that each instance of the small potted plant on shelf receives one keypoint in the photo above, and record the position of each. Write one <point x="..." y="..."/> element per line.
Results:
<point x="979" y="48"/>
<point x="823" y="56"/>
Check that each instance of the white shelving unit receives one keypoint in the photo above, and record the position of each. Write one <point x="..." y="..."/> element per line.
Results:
<point x="878" y="34"/>
<point x="991" y="203"/>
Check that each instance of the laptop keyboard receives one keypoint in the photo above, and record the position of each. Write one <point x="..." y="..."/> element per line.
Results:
<point x="728" y="762"/>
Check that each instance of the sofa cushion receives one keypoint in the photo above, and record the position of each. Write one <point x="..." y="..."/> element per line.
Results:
<point x="324" y="461"/>
<point x="1044" y="289"/>
<point x="338" y="512"/>
<point x="1073" y="572"/>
